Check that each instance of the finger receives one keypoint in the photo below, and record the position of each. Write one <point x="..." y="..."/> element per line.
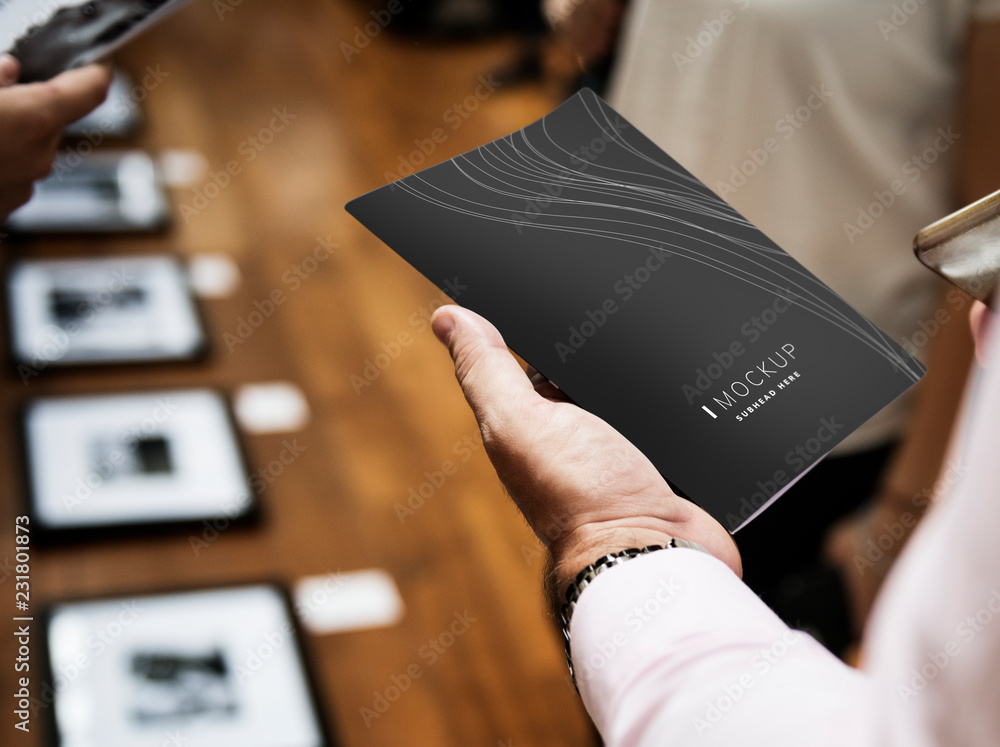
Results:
<point x="980" y="320"/>
<point x="12" y="198"/>
<point x="10" y="69"/>
<point x="78" y="92"/>
<point x="490" y="377"/>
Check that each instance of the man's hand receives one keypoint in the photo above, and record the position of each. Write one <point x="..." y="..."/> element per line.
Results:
<point x="32" y="119"/>
<point x="584" y="489"/>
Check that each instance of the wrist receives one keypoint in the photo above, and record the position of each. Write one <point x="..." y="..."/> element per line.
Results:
<point x="586" y="544"/>
<point x="591" y="571"/>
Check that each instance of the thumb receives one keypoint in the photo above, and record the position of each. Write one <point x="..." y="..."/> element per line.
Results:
<point x="490" y="377"/>
<point x="10" y="68"/>
<point x="79" y="91"/>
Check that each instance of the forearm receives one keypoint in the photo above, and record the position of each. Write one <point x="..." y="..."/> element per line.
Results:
<point x="918" y="461"/>
<point x="672" y="648"/>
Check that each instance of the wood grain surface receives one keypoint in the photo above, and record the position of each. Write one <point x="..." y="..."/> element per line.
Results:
<point x="223" y="70"/>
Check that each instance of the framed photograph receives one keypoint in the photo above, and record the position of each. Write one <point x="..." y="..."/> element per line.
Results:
<point x="97" y="193"/>
<point x="216" y="667"/>
<point x="126" y="460"/>
<point x="125" y="309"/>
<point x="118" y="117"/>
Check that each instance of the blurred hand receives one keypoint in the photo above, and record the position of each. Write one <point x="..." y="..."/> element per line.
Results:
<point x="847" y="545"/>
<point x="584" y="489"/>
<point x="981" y="319"/>
<point x="847" y="549"/>
<point x="32" y="119"/>
<point x="589" y="26"/>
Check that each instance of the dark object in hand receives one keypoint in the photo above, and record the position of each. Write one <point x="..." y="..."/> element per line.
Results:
<point x="66" y="39"/>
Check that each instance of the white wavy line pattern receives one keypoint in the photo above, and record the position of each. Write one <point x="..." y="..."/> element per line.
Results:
<point x="644" y="207"/>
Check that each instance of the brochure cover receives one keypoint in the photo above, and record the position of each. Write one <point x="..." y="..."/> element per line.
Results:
<point x="51" y="36"/>
<point x="648" y="300"/>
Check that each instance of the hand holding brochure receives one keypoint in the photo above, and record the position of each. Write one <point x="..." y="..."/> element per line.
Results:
<point x="649" y="301"/>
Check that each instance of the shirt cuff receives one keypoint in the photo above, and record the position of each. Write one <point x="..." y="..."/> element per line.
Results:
<point x="672" y="648"/>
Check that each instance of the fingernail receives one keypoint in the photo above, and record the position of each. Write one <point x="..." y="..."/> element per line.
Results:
<point x="443" y="325"/>
<point x="8" y="70"/>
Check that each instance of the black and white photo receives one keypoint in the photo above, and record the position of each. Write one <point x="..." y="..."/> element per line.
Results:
<point x="103" y="310"/>
<point x="130" y="459"/>
<point x="105" y="192"/>
<point x="212" y="667"/>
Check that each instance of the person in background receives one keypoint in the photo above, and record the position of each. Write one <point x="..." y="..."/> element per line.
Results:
<point x="668" y="646"/>
<point x="840" y="129"/>
<point x="32" y="119"/>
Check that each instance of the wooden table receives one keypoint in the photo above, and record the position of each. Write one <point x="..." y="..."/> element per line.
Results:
<point x="223" y="70"/>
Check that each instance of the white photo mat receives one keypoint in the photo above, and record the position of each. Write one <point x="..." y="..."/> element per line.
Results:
<point x="139" y="458"/>
<point x="210" y="668"/>
<point x="104" y="310"/>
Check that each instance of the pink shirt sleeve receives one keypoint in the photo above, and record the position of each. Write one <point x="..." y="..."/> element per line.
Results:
<point x="672" y="648"/>
<point x="933" y="644"/>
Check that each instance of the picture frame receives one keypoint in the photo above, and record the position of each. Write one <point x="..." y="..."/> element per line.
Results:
<point x="106" y="310"/>
<point x="122" y="462"/>
<point x="96" y="192"/>
<point x="219" y="666"/>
